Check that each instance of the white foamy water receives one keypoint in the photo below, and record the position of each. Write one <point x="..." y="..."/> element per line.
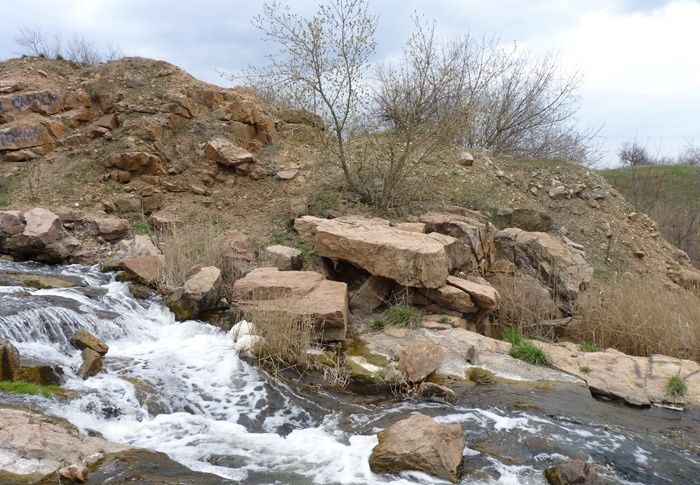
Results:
<point x="181" y="388"/>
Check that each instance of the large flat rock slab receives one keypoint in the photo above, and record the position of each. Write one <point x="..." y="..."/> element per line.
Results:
<point x="297" y="294"/>
<point x="409" y="258"/>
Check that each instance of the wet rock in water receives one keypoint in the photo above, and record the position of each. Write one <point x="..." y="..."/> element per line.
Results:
<point x="361" y="369"/>
<point x="200" y="294"/>
<point x="432" y="391"/>
<point x="9" y="360"/>
<point x="92" y="364"/>
<point x="37" y="280"/>
<point x="77" y="472"/>
<point x="284" y="257"/>
<point x="296" y="294"/>
<point x="410" y="258"/>
<point x="422" y="444"/>
<point x="574" y="472"/>
<point x="25" y="434"/>
<point x="82" y="339"/>
<point x="39" y="372"/>
<point x="417" y="361"/>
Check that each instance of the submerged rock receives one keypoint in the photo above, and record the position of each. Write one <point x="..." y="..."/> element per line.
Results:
<point x="419" y="443"/>
<point x="574" y="472"/>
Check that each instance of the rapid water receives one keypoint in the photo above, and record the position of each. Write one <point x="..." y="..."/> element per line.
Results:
<point x="180" y="388"/>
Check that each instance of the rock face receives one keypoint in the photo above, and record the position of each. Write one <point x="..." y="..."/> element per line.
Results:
<point x="299" y="294"/>
<point x="558" y="265"/>
<point x="410" y="258"/>
<point x="372" y="294"/>
<point x="284" y="257"/>
<point x="82" y="339"/>
<point x="25" y="437"/>
<point x="201" y="293"/>
<point x="419" y="360"/>
<point x="9" y="360"/>
<point x="470" y="227"/>
<point x="419" y="443"/>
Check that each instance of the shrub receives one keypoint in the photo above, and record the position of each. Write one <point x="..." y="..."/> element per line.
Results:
<point x="512" y="335"/>
<point x="676" y="386"/>
<point x="29" y="388"/>
<point x="142" y="228"/>
<point x="585" y="369"/>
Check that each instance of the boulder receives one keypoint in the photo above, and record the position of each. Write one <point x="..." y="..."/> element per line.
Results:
<point x="77" y="472"/>
<point x="82" y="339"/>
<point x="470" y="227"/>
<point x="483" y="294"/>
<point x="137" y="163"/>
<point x="11" y="223"/>
<point x="417" y="361"/>
<point x="226" y="153"/>
<point x="422" y="444"/>
<point x="112" y="228"/>
<point x="39" y="372"/>
<point x="541" y="255"/>
<point x="42" y="236"/>
<point x="201" y="293"/>
<point x="371" y="295"/>
<point x="237" y="249"/>
<point x="9" y="360"/>
<point x="92" y="363"/>
<point x="42" y="227"/>
<point x="574" y="472"/>
<point x="284" y="257"/>
<point x="299" y="294"/>
<point x="451" y="298"/>
<point x="147" y="270"/>
<point x="410" y="258"/>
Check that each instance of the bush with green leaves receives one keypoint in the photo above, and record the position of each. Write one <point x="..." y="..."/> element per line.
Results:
<point x="676" y="386"/>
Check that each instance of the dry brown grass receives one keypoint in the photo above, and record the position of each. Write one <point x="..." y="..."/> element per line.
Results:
<point x="525" y="305"/>
<point x="185" y="248"/>
<point x="286" y="340"/>
<point x="632" y="316"/>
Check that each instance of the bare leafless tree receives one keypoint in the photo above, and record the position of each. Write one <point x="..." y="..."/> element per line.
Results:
<point x="36" y="43"/>
<point x="690" y="155"/>
<point x="633" y="154"/>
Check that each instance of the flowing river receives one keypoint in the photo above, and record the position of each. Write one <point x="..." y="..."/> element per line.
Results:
<point x="180" y="388"/>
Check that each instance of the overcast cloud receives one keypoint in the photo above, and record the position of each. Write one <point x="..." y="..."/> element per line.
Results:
<point x="639" y="57"/>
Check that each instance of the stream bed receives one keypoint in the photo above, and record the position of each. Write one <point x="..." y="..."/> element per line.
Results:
<point x="180" y="388"/>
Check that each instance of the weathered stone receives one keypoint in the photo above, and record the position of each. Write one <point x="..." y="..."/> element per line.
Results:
<point x="299" y="294"/>
<point x="555" y="263"/>
<point x="82" y="339"/>
<point x="419" y="443"/>
<point x="287" y="174"/>
<point x="430" y="390"/>
<point x="236" y="245"/>
<point x="41" y="226"/>
<point x="573" y="472"/>
<point x="92" y="363"/>
<point x="412" y="259"/>
<point x="201" y="293"/>
<point x="111" y="228"/>
<point x="363" y="370"/>
<point x="470" y="227"/>
<point x="138" y="163"/>
<point x="417" y="361"/>
<point x="76" y="472"/>
<point x="38" y="372"/>
<point x="147" y="270"/>
<point x="11" y="223"/>
<point x="411" y="227"/>
<point x="483" y="294"/>
<point x="452" y="298"/>
<point x="557" y="192"/>
<point x="9" y="360"/>
<point x="525" y="219"/>
<point x="466" y="159"/>
<point x="226" y="153"/>
<point x="371" y="295"/>
<point x="284" y="257"/>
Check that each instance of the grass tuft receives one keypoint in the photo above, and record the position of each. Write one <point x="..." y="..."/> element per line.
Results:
<point x="480" y="376"/>
<point x="402" y="316"/>
<point x="676" y="386"/>
<point x="512" y="335"/>
<point x="142" y="228"/>
<point x="529" y="352"/>
<point x="585" y="369"/>
<point x="586" y="346"/>
<point x="28" y="388"/>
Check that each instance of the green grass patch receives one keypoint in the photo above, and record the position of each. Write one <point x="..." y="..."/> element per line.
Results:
<point x="681" y="181"/>
<point x="445" y="320"/>
<point x="529" y="352"/>
<point x="676" y="386"/>
<point x="512" y="335"/>
<point x="586" y="346"/>
<point x="142" y="228"/>
<point x="29" y="388"/>
<point x="585" y="369"/>
<point x="402" y="316"/>
<point x="378" y="323"/>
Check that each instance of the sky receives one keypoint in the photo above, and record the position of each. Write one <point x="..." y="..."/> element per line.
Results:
<point x="640" y="59"/>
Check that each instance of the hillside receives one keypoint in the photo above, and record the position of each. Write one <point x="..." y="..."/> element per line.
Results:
<point x="670" y="194"/>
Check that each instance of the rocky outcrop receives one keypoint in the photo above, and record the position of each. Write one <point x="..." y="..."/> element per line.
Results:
<point x="557" y="264"/>
<point x="409" y="258"/>
<point x="9" y="360"/>
<point x="297" y="294"/>
<point x="25" y="437"/>
<point x="199" y="295"/>
<point x="422" y="444"/>
<point x="470" y="227"/>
